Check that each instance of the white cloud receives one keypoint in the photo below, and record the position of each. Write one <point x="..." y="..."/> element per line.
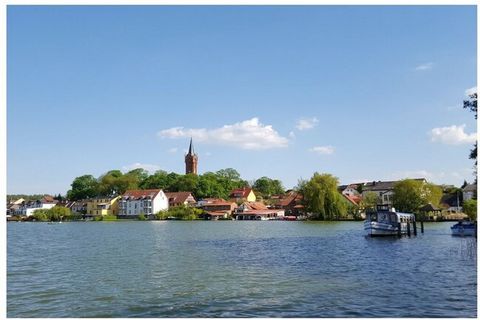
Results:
<point x="172" y="150"/>
<point x="416" y="174"/>
<point x="306" y="123"/>
<point x="291" y="134"/>
<point x="452" y="135"/>
<point x="149" y="167"/>
<point x="248" y="134"/>
<point x="322" y="150"/>
<point x="470" y="91"/>
<point x="425" y="66"/>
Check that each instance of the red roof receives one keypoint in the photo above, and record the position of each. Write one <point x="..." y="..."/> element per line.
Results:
<point x="178" y="197"/>
<point x="138" y="194"/>
<point x="254" y="206"/>
<point x="240" y="193"/>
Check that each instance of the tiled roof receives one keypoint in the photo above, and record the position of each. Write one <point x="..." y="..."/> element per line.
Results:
<point x="178" y="197"/>
<point x="240" y="193"/>
<point x="141" y="194"/>
<point x="254" y="206"/>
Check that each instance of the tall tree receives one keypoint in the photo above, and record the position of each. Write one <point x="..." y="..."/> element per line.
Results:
<point x="410" y="195"/>
<point x="471" y="104"/>
<point x="83" y="187"/>
<point x="322" y="198"/>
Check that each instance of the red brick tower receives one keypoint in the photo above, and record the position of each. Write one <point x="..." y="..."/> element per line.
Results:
<point x="191" y="160"/>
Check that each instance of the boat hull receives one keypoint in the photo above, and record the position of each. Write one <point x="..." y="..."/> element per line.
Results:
<point x="463" y="231"/>
<point x="376" y="229"/>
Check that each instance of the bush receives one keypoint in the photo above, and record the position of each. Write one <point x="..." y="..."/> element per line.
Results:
<point x="470" y="208"/>
<point x="109" y="218"/>
<point x="180" y="212"/>
<point x="141" y="217"/>
<point x="98" y="218"/>
<point x="41" y="215"/>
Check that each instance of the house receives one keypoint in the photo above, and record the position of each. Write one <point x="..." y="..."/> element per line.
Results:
<point x="180" y="199"/>
<point x="102" y="206"/>
<point x="257" y="211"/>
<point x="243" y="194"/>
<point x="28" y="207"/>
<point x="79" y="207"/>
<point x="451" y="202"/>
<point x="216" y="208"/>
<point x="383" y="189"/>
<point x="269" y="214"/>
<point x="350" y="190"/>
<point x="470" y="192"/>
<point x="147" y="202"/>
<point x="291" y="203"/>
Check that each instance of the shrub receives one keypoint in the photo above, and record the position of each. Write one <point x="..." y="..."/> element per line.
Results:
<point x="109" y="218"/>
<point x="141" y="217"/>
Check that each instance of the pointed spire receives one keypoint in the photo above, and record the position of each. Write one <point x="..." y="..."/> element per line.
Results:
<point x="190" y="150"/>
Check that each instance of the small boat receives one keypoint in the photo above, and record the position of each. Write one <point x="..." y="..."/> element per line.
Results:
<point x="387" y="222"/>
<point x="464" y="228"/>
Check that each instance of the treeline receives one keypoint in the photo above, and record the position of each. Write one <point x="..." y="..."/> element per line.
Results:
<point x="210" y="184"/>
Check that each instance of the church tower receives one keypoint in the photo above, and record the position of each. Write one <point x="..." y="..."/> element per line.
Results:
<point x="191" y="160"/>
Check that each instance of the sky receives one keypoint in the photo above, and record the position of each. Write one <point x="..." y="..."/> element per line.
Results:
<point x="361" y="92"/>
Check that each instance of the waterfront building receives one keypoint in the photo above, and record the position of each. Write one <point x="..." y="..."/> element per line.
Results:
<point x="79" y="207"/>
<point x="29" y="207"/>
<point x="291" y="203"/>
<point x="102" y="206"/>
<point x="257" y="211"/>
<point x="180" y="199"/>
<point x="470" y="192"/>
<point x="147" y="202"/>
<point x="243" y="194"/>
<point x="191" y="160"/>
<point x="217" y="208"/>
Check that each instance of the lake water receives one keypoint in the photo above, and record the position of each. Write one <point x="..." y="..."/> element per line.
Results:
<point x="236" y="269"/>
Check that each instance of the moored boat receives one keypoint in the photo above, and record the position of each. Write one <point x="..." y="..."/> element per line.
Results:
<point x="387" y="222"/>
<point x="464" y="228"/>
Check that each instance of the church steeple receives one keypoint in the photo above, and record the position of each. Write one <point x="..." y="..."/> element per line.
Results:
<point x="191" y="160"/>
<point x="190" y="150"/>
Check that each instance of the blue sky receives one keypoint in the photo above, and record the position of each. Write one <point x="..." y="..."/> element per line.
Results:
<point x="364" y="93"/>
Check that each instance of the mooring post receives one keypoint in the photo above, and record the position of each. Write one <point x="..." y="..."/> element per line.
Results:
<point x="421" y="226"/>
<point x="399" y="229"/>
<point x="408" y="228"/>
<point x="414" y="228"/>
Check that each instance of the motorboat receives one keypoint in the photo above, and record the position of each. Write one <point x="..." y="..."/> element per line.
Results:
<point x="387" y="222"/>
<point x="464" y="228"/>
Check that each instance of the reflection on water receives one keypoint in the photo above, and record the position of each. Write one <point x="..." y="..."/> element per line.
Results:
<point x="236" y="269"/>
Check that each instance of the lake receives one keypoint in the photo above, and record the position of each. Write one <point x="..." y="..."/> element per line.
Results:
<point x="236" y="269"/>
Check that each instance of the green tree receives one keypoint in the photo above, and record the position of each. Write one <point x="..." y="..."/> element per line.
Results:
<point x="58" y="213"/>
<point x="210" y="186"/>
<point x="369" y="200"/>
<point x="470" y="208"/>
<point x="158" y="180"/>
<point x="410" y="195"/>
<point x="268" y="187"/>
<point x="471" y="104"/>
<point x="83" y="187"/>
<point x="180" y="212"/>
<point x="322" y="198"/>
<point x="40" y="215"/>
<point x="109" y="183"/>
<point x="187" y="182"/>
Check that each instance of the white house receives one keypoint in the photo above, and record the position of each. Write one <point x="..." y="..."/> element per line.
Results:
<point x="147" y="202"/>
<point x="29" y="207"/>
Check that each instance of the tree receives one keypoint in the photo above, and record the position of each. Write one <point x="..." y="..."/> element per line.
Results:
<point x="40" y="215"/>
<point x="322" y="198"/>
<point x="470" y="208"/>
<point x="158" y="180"/>
<point x="58" y="213"/>
<point x="471" y="104"/>
<point x="83" y="187"/>
<point x="410" y="195"/>
<point x="267" y="187"/>
<point x="369" y="200"/>
<point x="110" y="183"/>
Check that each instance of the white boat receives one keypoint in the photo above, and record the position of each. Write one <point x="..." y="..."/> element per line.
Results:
<point x="463" y="228"/>
<point x="386" y="222"/>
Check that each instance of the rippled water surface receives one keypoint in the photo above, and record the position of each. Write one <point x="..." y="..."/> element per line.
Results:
<point x="236" y="269"/>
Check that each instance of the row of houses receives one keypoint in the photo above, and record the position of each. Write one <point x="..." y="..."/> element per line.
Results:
<point x="241" y="205"/>
<point x="384" y="191"/>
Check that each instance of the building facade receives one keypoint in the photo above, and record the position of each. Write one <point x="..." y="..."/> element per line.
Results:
<point x="102" y="206"/>
<point x="146" y="202"/>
